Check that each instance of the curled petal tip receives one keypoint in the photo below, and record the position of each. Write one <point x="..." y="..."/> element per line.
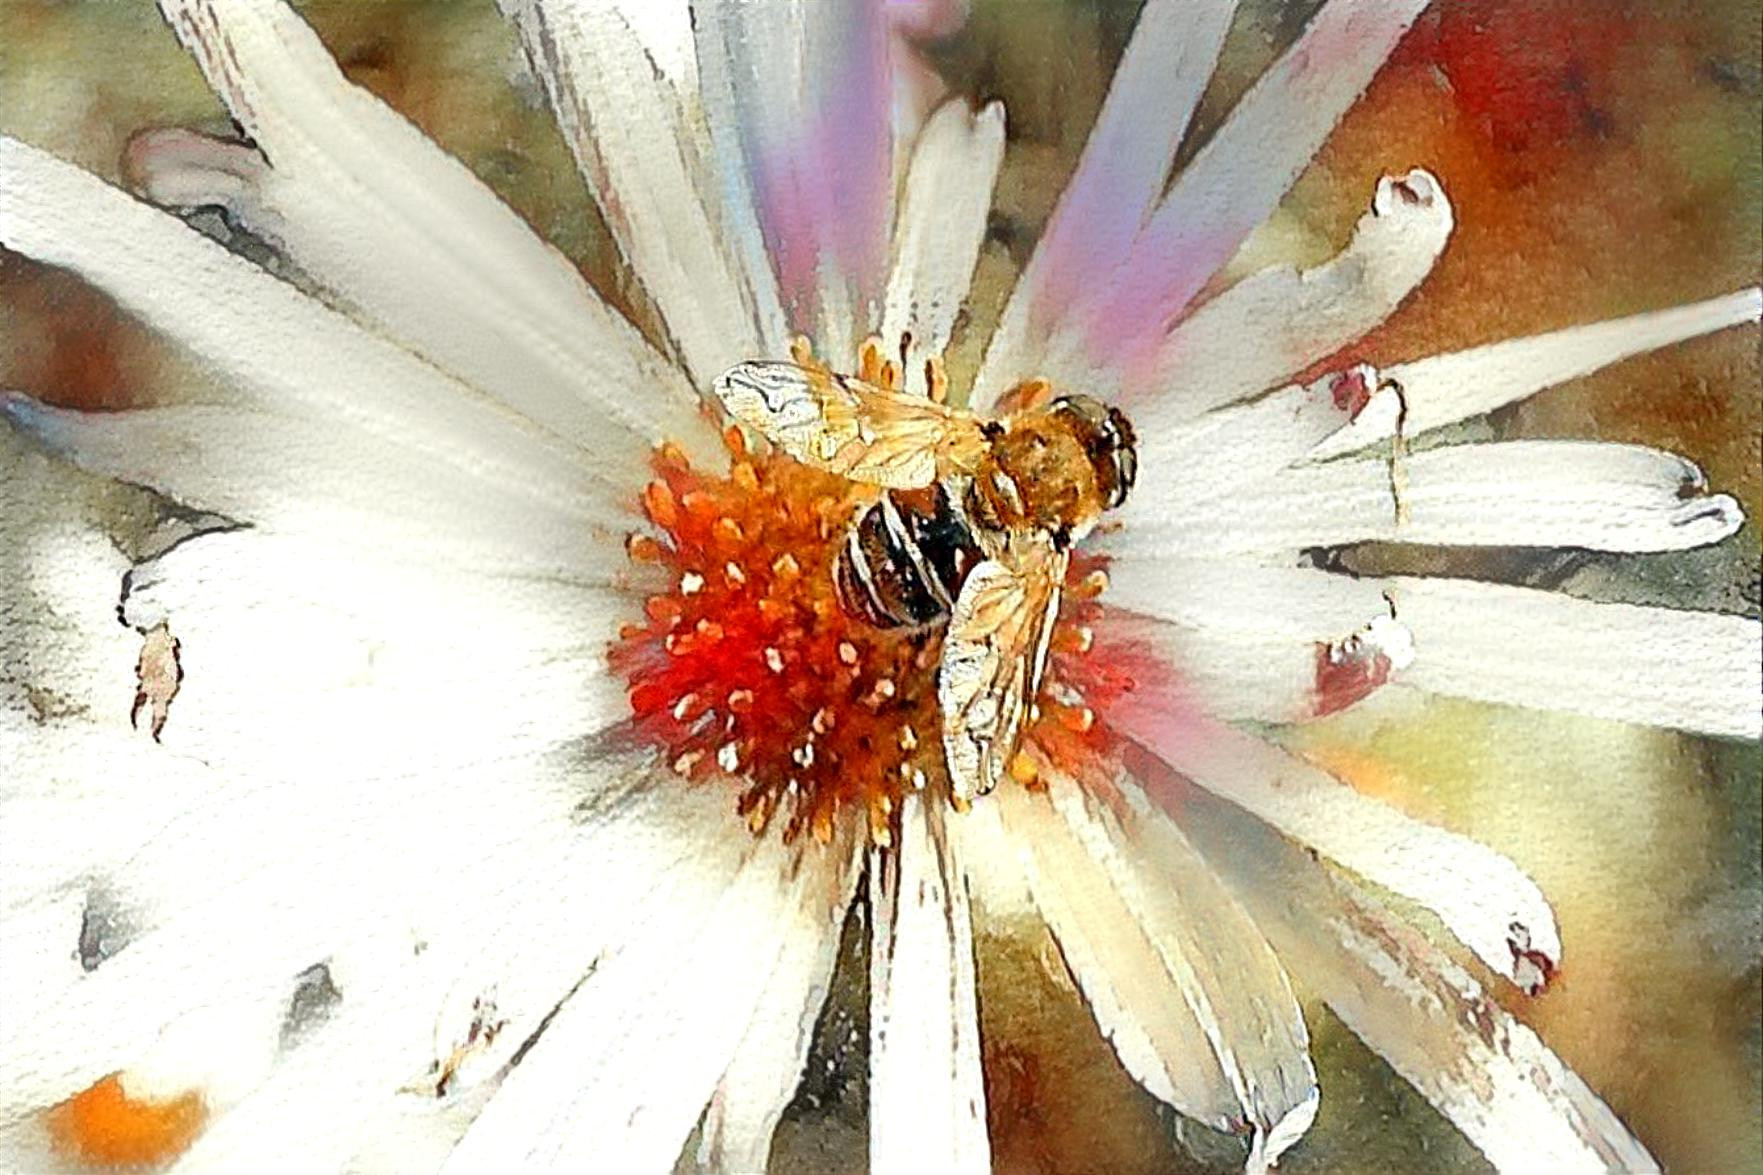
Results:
<point x="1418" y="188"/>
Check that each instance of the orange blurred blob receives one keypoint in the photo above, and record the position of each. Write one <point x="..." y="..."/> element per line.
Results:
<point x="103" y="1126"/>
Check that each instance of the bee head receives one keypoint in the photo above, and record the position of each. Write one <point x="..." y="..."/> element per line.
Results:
<point x="1109" y="441"/>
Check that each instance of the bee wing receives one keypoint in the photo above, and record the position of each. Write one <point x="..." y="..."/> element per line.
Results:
<point x="851" y="428"/>
<point x="993" y="655"/>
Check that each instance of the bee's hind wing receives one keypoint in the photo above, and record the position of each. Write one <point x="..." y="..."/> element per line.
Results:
<point x="993" y="657"/>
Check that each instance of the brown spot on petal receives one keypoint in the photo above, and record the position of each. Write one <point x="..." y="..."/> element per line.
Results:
<point x="158" y="674"/>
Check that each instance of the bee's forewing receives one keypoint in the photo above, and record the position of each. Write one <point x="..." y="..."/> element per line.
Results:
<point x="845" y="426"/>
<point x="993" y="656"/>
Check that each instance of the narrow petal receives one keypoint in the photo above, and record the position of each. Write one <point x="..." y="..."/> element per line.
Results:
<point x="274" y="349"/>
<point x="1444" y="389"/>
<point x="1242" y="173"/>
<point x="1485" y="1071"/>
<point x="1249" y="641"/>
<point x="1124" y="980"/>
<point x="942" y="225"/>
<point x="1186" y="465"/>
<point x="1297" y="318"/>
<point x="927" y="1101"/>
<point x="761" y="1079"/>
<point x="1219" y="965"/>
<point x="303" y="477"/>
<point x="623" y="1070"/>
<point x="403" y="234"/>
<point x="1696" y="671"/>
<point x="631" y="136"/>
<point x="1485" y="900"/>
<point x="1595" y="495"/>
<point x="809" y="95"/>
<point x="1118" y="181"/>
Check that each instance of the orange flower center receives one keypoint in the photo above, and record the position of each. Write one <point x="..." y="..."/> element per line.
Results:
<point x="749" y="669"/>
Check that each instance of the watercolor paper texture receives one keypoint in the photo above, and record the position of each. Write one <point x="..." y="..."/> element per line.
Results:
<point x="809" y="587"/>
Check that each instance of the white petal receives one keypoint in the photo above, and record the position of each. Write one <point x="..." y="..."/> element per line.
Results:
<point x="1484" y="1070"/>
<point x="927" y="1102"/>
<point x="278" y="350"/>
<point x="408" y="994"/>
<point x="405" y="236"/>
<point x="1239" y="177"/>
<point x="1248" y="641"/>
<point x="623" y="1070"/>
<point x="398" y="664"/>
<point x="1600" y="496"/>
<point x="1485" y="900"/>
<point x="942" y="225"/>
<point x="305" y="477"/>
<point x="1186" y="465"/>
<point x="1444" y="389"/>
<point x="635" y="145"/>
<point x="1118" y="181"/>
<point x="798" y="100"/>
<point x="1218" y="959"/>
<point x="761" y="1079"/>
<point x="58" y="626"/>
<point x="1213" y="960"/>
<point x="1694" y="671"/>
<point x="1124" y="981"/>
<point x="1275" y="323"/>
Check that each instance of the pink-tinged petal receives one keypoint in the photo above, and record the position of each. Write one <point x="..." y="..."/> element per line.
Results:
<point x="1250" y="641"/>
<point x="401" y="234"/>
<point x="1274" y="324"/>
<point x="810" y="94"/>
<point x="927" y="1100"/>
<point x="1483" y="898"/>
<point x="1239" y="177"/>
<point x="927" y="20"/>
<point x="762" y="1078"/>
<point x="1591" y="494"/>
<point x="638" y="145"/>
<point x="1486" y="1072"/>
<point x="1444" y="389"/>
<point x="1118" y="181"/>
<point x="942" y="225"/>
<point x="1220" y="965"/>
<point x="1696" y="671"/>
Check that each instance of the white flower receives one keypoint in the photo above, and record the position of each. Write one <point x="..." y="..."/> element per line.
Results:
<point x="415" y="880"/>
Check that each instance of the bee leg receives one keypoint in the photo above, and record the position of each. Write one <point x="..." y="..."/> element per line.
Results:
<point x="1025" y="397"/>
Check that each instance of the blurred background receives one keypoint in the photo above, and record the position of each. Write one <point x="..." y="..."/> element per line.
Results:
<point x="1603" y="156"/>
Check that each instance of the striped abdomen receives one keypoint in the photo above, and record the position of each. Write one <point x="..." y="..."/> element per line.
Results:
<point x="905" y="558"/>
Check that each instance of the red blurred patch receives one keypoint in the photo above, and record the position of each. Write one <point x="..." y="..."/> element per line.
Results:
<point x="1526" y="76"/>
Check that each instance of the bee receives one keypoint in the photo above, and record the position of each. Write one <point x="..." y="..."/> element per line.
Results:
<point x="974" y="526"/>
